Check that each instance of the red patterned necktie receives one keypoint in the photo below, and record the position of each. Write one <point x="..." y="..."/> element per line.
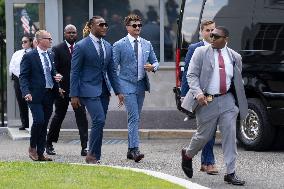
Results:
<point x="71" y="49"/>
<point x="222" y="72"/>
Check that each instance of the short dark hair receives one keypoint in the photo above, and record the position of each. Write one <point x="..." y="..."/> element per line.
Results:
<point x="94" y="18"/>
<point x="30" y="38"/>
<point x="131" y="17"/>
<point x="205" y="23"/>
<point x="224" y="29"/>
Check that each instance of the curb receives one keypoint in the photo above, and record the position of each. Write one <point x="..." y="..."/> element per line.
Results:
<point x="144" y="134"/>
<point x="179" y="181"/>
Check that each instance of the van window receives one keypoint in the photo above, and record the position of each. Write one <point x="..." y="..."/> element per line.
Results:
<point x="189" y="29"/>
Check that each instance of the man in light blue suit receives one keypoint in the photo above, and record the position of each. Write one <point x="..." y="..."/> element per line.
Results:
<point x="91" y="63"/>
<point x="135" y="56"/>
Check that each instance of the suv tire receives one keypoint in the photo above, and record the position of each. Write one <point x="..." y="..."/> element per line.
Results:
<point x="255" y="133"/>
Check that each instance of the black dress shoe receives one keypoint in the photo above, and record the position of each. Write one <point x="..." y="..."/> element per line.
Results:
<point x="233" y="179"/>
<point x="50" y="150"/>
<point x="84" y="152"/>
<point x="186" y="164"/>
<point x="135" y="155"/>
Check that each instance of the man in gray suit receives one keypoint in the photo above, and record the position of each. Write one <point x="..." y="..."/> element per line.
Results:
<point x="216" y="95"/>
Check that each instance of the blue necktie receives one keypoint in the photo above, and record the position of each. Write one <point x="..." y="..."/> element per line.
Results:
<point x="101" y="51"/>
<point x="48" y="77"/>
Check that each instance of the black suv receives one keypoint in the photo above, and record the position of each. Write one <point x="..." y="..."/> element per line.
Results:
<point x="257" y="33"/>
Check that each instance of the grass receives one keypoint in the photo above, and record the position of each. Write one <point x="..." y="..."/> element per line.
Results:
<point x="36" y="175"/>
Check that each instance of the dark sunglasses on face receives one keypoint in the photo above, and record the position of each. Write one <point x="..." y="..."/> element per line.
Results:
<point x="24" y="42"/>
<point x="71" y="33"/>
<point x="103" y="25"/>
<point x="135" y="25"/>
<point x="215" y="36"/>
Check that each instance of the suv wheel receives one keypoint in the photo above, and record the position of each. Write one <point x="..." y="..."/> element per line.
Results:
<point x="255" y="132"/>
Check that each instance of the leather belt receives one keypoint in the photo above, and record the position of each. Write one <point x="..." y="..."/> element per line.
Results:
<point x="210" y="97"/>
<point x="48" y="89"/>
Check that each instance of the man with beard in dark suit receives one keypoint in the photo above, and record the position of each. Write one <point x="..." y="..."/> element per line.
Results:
<point x="63" y="54"/>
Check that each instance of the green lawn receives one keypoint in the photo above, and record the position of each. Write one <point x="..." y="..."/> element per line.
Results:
<point x="37" y="175"/>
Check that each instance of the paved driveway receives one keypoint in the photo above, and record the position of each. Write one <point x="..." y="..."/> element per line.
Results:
<point x="261" y="170"/>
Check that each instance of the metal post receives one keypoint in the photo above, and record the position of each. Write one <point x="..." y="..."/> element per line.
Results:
<point x="2" y="77"/>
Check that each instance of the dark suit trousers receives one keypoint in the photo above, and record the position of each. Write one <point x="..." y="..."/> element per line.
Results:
<point x="23" y="106"/>
<point x="97" y="108"/>
<point x="41" y="113"/>
<point x="61" y="106"/>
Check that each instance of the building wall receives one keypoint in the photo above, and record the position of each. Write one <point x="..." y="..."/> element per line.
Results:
<point x="53" y="15"/>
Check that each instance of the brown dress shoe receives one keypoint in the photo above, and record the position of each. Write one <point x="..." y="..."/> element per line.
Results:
<point x="44" y="158"/>
<point x="212" y="170"/>
<point x="203" y="168"/>
<point x="90" y="159"/>
<point x="33" y="154"/>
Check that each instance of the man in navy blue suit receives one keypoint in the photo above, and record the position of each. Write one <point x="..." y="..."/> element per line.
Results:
<point x="90" y="65"/>
<point x="38" y="82"/>
<point x="207" y="156"/>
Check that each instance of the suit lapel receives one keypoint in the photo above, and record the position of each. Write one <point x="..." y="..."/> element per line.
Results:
<point x="93" y="48"/>
<point x="38" y="61"/>
<point x="129" y="47"/>
<point x="211" y="56"/>
<point x="144" y="48"/>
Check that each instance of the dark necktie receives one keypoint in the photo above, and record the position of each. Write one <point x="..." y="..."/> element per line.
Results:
<point x="222" y="72"/>
<point x="136" y="48"/>
<point x="71" y="49"/>
<point x="101" y="51"/>
<point x="48" y="77"/>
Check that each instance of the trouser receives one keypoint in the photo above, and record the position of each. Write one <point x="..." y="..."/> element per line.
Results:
<point x="133" y="105"/>
<point x="61" y="106"/>
<point x="207" y="155"/>
<point x="222" y="112"/>
<point x="97" y="108"/>
<point x="41" y="113"/>
<point x="23" y="106"/>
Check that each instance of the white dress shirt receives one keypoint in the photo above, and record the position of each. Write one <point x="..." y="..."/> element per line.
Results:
<point x="14" y="67"/>
<point x="40" y="51"/>
<point x="68" y="45"/>
<point x="214" y="84"/>
<point x="97" y="45"/>
<point x="141" y="69"/>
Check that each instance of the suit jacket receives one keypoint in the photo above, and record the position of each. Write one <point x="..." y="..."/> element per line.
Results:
<point x="87" y="72"/>
<point x="62" y="63"/>
<point x="200" y="72"/>
<point x="32" y="78"/>
<point x="184" y="83"/>
<point x="124" y="57"/>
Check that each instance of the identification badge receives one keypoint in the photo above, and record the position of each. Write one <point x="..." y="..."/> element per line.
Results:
<point x="209" y="98"/>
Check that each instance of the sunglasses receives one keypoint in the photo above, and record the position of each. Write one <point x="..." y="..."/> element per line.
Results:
<point x="215" y="36"/>
<point x="103" y="25"/>
<point x="24" y="42"/>
<point x="209" y="30"/>
<point x="135" y="25"/>
<point x="71" y="33"/>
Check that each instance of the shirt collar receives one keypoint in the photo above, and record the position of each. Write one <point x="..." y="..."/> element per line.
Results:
<point x="94" y="37"/>
<point x="205" y="42"/>
<point x="131" y="38"/>
<point x="40" y="51"/>
<point x="68" y="44"/>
